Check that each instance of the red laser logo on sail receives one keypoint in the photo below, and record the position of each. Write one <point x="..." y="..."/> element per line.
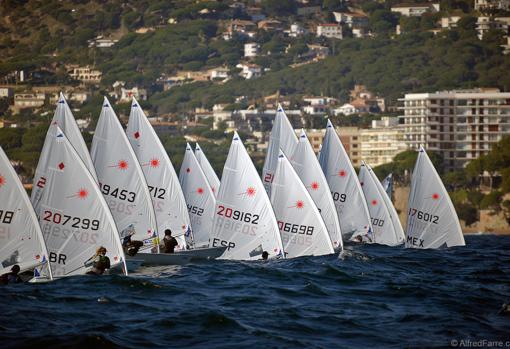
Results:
<point x="188" y="170"/>
<point x="250" y="192"/>
<point x="342" y="173"/>
<point x="121" y="165"/>
<point x="2" y="181"/>
<point x="314" y="186"/>
<point x="200" y="191"/>
<point x="154" y="163"/>
<point x="61" y="166"/>
<point x="374" y="202"/>
<point x="137" y="134"/>
<point x="435" y="196"/>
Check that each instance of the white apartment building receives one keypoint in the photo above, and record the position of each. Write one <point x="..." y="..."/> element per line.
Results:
<point x="86" y="74"/>
<point x="330" y="30"/>
<point x="382" y="142"/>
<point x="251" y="49"/>
<point x="415" y="10"/>
<point x="481" y="5"/>
<point x="484" y="24"/>
<point x="461" y="125"/>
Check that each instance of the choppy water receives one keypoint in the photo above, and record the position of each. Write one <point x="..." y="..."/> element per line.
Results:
<point x="374" y="297"/>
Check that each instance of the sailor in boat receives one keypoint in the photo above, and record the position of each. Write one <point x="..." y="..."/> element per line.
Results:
<point x="12" y="277"/>
<point x="131" y="247"/>
<point x="169" y="242"/>
<point x="99" y="262"/>
<point x="265" y="255"/>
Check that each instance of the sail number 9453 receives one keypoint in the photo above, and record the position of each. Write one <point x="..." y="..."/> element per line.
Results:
<point x="121" y="194"/>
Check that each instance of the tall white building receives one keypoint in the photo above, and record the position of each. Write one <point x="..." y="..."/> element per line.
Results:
<point x="382" y="142"/>
<point x="461" y="125"/>
<point x="251" y="49"/>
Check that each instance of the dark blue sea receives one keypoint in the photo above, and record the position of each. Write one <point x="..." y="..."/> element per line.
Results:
<point x="373" y="297"/>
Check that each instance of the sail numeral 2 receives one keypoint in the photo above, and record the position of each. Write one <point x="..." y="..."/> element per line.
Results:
<point x="158" y="193"/>
<point x="424" y="216"/>
<point x="195" y="210"/>
<point x="77" y="222"/>
<point x="6" y="216"/>
<point x="238" y="215"/>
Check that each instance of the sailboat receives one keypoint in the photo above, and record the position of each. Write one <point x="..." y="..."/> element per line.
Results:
<point x="244" y="220"/>
<point x="122" y="181"/>
<point x="21" y="239"/>
<point x="301" y="226"/>
<point x="199" y="197"/>
<point x="210" y="174"/>
<point x="165" y="191"/>
<point x="74" y="216"/>
<point x="282" y="138"/>
<point x="309" y="171"/>
<point x="64" y="119"/>
<point x="387" y="184"/>
<point x="386" y="226"/>
<point x="431" y="220"/>
<point x="346" y="191"/>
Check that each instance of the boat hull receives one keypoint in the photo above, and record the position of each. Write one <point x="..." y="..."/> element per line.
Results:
<point x="177" y="258"/>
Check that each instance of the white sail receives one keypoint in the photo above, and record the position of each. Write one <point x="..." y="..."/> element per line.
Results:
<point x="21" y="239"/>
<point x="431" y="221"/>
<point x="64" y="119"/>
<point x="346" y="191"/>
<point x="301" y="226"/>
<point x="282" y="138"/>
<point x="165" y="190"/>
<point x="244" y="220"/>
<point x="309" y="171"/>
<point x="122" y="181"/>
<point x="199" y="197"/>
<point x="386" y="228"/>
<point x="209" y="172"/>
<point x="387" y="184"/>
<point x="74" y="217"/>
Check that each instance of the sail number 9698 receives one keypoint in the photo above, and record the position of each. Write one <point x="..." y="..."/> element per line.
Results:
<point x="238" y="215"/>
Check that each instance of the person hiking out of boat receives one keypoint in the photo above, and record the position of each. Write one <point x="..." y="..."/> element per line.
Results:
<point x="169" y="242"/>
<point x="265" y="255"/>
<point x="131" y="247"/>
<point x="12" y="277"/>
<point x="100" y="262"/>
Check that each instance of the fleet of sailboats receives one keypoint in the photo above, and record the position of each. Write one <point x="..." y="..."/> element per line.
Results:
<point x="303" y="205"/>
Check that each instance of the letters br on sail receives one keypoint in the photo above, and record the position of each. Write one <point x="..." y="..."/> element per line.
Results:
<point x="74" y="217"/>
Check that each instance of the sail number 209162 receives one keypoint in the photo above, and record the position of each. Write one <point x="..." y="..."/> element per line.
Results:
<point x="238" y="215"/>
